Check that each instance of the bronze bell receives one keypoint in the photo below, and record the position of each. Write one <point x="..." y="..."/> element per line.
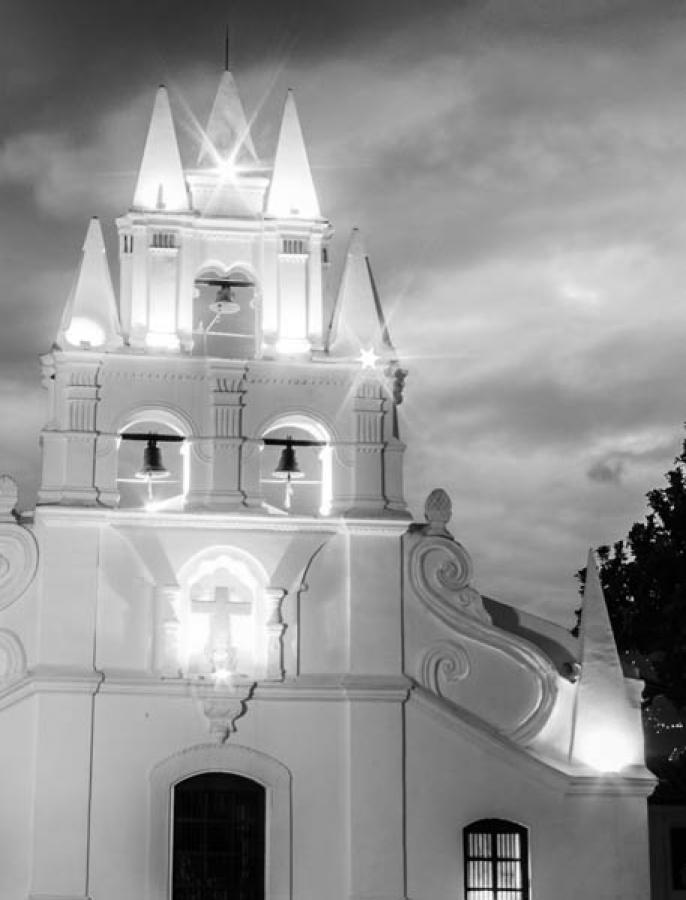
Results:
<point x="153" y="467"/>
<point x="287" y="467"/>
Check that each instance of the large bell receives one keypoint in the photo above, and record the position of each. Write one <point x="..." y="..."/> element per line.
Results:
<point x="153" y="467"/>
<point x="287" y="467"/>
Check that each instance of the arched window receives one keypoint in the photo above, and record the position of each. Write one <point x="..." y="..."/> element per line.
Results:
<point x="496" y="861"/>
<point x="218" y="839"/>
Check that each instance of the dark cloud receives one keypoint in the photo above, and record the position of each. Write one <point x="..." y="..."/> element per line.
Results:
<point x="606" y="471"/>
<point x="518" y="170"/>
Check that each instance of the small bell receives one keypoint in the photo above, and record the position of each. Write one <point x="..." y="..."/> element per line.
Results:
<point x="287" y="467"/>
<point x="153" y="468"/>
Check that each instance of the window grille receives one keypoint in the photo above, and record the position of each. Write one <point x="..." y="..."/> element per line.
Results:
<point x="496" y="861"/>
<point x="163" y="240"/>
<point x="218" y="838"/>
<point x="292" y="246"/>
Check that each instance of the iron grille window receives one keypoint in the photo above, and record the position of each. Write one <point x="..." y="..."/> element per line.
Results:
<point x="218" y="838"/>
<point x="496" y="861"/>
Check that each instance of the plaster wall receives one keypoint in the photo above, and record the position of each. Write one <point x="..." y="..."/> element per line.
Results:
<point x="17" y="771"/>
<point x="591" y="844"/>
<point x="134" y="733"/>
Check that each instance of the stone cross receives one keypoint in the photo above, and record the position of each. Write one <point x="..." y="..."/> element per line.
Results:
<point x="223" y="608"/>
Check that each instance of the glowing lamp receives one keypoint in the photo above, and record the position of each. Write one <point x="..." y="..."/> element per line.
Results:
<point x="606" y="750"/>
<point x="85" y="332"/>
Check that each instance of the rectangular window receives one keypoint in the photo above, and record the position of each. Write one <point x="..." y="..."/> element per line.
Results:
<point x="496" y="861"/>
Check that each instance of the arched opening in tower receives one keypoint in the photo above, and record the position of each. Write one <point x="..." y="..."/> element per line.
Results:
<point x="225" y="313"/>
<point x="296" y="472"/>
<point x="152" y="469"/>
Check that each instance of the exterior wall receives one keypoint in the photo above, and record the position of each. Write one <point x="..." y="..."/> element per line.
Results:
<point x="17" y="775"/>
<point x="371" y="774"/>
<point x="589" y="844"/>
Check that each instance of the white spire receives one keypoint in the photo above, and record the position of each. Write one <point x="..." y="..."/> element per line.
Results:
<point x="606" y="731"/>
<point x="291" y="192"/>
<point x="357" y="323"/>
<point x="161" y="185"/>
<point x="90" y="316"/>
<point x="227" y="136"/>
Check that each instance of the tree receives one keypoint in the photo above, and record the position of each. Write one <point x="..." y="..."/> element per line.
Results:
<point x="644" y="581"/>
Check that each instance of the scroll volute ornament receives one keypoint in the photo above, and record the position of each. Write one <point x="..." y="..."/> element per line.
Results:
<point x="440" y="573"/>
<point x="18" y="548"/>
<point x="441" y="570"/>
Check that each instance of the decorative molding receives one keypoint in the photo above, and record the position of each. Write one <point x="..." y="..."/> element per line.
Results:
<point x="234" y="759"/>
<point x="202" y="449"/>
<point x="18" y="561"/>
<point x="12" y="657"/>
<point x="309" y="380"/>
<point x="446" y="661"/>
<point x="276" y="629"/>
<point x="440" y="572"/>
<point x="222" y="713"/>
<point x="166" y="374"/>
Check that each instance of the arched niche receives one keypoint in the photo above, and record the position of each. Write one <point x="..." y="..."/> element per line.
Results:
<point x="312" y="493"/>
<point x="226" y="318"/>
<point x="223" y="612"/>
<point x="155" y="494"/>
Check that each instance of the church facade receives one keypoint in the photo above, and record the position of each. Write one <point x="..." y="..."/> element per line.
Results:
<point x="232" y="667"/>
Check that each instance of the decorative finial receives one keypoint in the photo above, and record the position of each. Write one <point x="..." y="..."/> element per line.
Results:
<point x="226" y="50"/>
<point x="438" y="511"/>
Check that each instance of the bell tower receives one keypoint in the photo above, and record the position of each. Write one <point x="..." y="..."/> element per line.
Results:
<point x="224" y="337"/>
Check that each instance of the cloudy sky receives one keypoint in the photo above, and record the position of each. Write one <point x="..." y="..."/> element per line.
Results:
<point x="518" y="168"/>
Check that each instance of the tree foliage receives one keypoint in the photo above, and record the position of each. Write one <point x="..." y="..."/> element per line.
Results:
<point x="644" y="581"/>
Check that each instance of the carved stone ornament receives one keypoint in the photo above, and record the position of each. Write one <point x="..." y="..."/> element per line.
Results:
<point x="445" y="662"/>
<point x="12" y="657"/>
<point x="18" y="548"/>
<point x="440" y="573"/>
<point x="438" y="511"/>
<point x="223" y="711"/>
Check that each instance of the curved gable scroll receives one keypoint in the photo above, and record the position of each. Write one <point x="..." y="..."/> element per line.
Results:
<point x="439" y="574"/>
<point x="230" y="759"/>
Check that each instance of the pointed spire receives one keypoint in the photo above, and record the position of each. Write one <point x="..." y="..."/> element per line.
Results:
<point x="227" y="136"/>
<point x="606" y="729"/>
<point x="358" y="323"/>
<point x="161" y="185"/>
<point x="292" y="193"/>
<point x="90" y="314"/>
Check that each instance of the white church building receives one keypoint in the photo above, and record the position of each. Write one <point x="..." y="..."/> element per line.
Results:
<point x="232" y="667"/>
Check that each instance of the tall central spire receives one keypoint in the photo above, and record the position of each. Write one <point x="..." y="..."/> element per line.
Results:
<point x="227" y="135"/>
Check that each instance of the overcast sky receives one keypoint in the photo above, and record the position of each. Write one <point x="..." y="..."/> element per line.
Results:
<point x="518" y="169"/>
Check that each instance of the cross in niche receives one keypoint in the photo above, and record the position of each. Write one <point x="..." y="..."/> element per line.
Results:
<point x="222" y="609"/>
